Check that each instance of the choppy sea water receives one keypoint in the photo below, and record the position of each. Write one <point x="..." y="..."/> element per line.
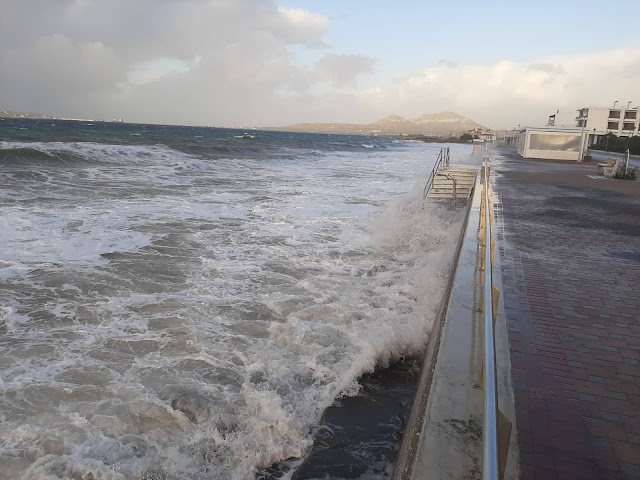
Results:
<point x="185" y="303"/>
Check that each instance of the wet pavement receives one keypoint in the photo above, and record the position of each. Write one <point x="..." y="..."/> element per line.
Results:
<point x="569" y="245"/>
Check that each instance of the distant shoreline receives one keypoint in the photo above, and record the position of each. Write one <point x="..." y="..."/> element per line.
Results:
<point x="437" y="128"/>
<point x="436" y="140"/>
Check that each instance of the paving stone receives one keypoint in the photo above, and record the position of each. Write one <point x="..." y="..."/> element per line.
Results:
<point x="565" y="255"/>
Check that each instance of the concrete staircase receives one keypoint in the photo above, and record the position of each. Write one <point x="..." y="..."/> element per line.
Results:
<point x="442" y="186"/>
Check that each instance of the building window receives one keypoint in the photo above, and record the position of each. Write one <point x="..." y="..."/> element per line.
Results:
<point x="613" y="125"/>
<point x="614" y="113"/>
<point x="630" y="115"/>
<point x="567" y="143"/>
<point x="628" y="126"/>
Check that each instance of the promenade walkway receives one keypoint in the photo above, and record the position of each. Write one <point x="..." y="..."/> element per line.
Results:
<point x="569" y="249"/>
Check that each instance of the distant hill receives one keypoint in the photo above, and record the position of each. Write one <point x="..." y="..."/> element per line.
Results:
<point x="443" y="124"/>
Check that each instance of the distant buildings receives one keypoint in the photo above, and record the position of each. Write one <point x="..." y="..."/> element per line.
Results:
<point x="598" y="121"/>
<point x="567" y="138"/>
<point x="487" y="136"/>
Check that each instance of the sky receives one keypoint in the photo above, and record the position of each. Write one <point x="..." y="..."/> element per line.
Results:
<point x="243" y="63"/>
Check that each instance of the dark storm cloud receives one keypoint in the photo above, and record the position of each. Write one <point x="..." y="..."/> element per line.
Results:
<point x="188" y="61"/>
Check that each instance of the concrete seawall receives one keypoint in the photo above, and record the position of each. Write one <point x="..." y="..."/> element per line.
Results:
<point x="443" y="438"/>
<point x="567" y="332"/>
<point x="409" y="447"/>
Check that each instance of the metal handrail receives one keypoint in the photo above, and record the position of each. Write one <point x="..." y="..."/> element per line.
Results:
<point x="455" y="185"/>
<point x="490" y="468"/>
<point x="443" y="160"/>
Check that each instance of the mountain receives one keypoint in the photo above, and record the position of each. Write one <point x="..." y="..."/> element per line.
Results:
<point x="443" y="124"/>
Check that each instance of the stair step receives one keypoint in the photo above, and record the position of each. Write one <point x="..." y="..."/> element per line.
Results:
<point x="441" y="178"/>
<point x="449" y="191"/>
<point x="442" y="186"/>
<point x="467" y="188"/>
<point x="450" y="182"/>
<point x="458" y="178"/>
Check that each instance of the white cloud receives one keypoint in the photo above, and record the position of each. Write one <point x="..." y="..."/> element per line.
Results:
<point x="305" y="19"/>
<point x="154" y="70"/>
<point x="507" y="93"/>
<point x="341" y="70"/>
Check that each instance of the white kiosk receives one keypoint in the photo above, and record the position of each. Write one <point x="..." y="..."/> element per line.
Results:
<point x="552" y="143"/>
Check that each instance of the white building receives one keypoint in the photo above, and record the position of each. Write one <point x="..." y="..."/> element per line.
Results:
<point x="598" y="121"/>
<point x="552" y="143"/>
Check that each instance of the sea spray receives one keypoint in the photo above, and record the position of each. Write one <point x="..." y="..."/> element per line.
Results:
<point x="357" y="438"/>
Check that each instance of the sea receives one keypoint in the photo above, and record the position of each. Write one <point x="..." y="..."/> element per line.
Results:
<point x="188" y="302"/>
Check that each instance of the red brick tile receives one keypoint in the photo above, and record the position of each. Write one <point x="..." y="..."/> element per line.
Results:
<point x="576" y="315"/>
<point x="575" y="471"/>
<point x="627" y="452"/>
<point x="546" y="473"/>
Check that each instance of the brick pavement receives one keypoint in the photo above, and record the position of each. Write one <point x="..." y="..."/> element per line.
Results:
<point x="570" y="261"/>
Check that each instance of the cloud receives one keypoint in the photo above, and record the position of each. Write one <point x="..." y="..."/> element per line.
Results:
<point x="150" y="61"/>
<point x="507" y="93"/>
<point x="236" y="62"/>
<point x="306" y="22"/>
<point x="54" y="69"/>
<point x="341" y="70"/>
<point x="154" y="70"/>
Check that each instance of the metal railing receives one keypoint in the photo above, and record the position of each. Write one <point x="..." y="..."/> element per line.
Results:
<point x="490" y="465"/>
<point x="455" y="185"/>
<point x="442" y="161"/>
<point x="496" y="428"/>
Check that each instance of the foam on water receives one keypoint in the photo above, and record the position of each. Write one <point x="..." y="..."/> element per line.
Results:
<point x="170" y="316"/>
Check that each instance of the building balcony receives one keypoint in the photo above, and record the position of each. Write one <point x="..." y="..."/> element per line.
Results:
<point x="613" y="125"/>
<point x="614" y="113"/>
<point x="630" y="115"/>
<point x="628" y="126"/>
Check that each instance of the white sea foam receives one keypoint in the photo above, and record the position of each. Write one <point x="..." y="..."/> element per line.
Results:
<point x="172" y="316"/>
